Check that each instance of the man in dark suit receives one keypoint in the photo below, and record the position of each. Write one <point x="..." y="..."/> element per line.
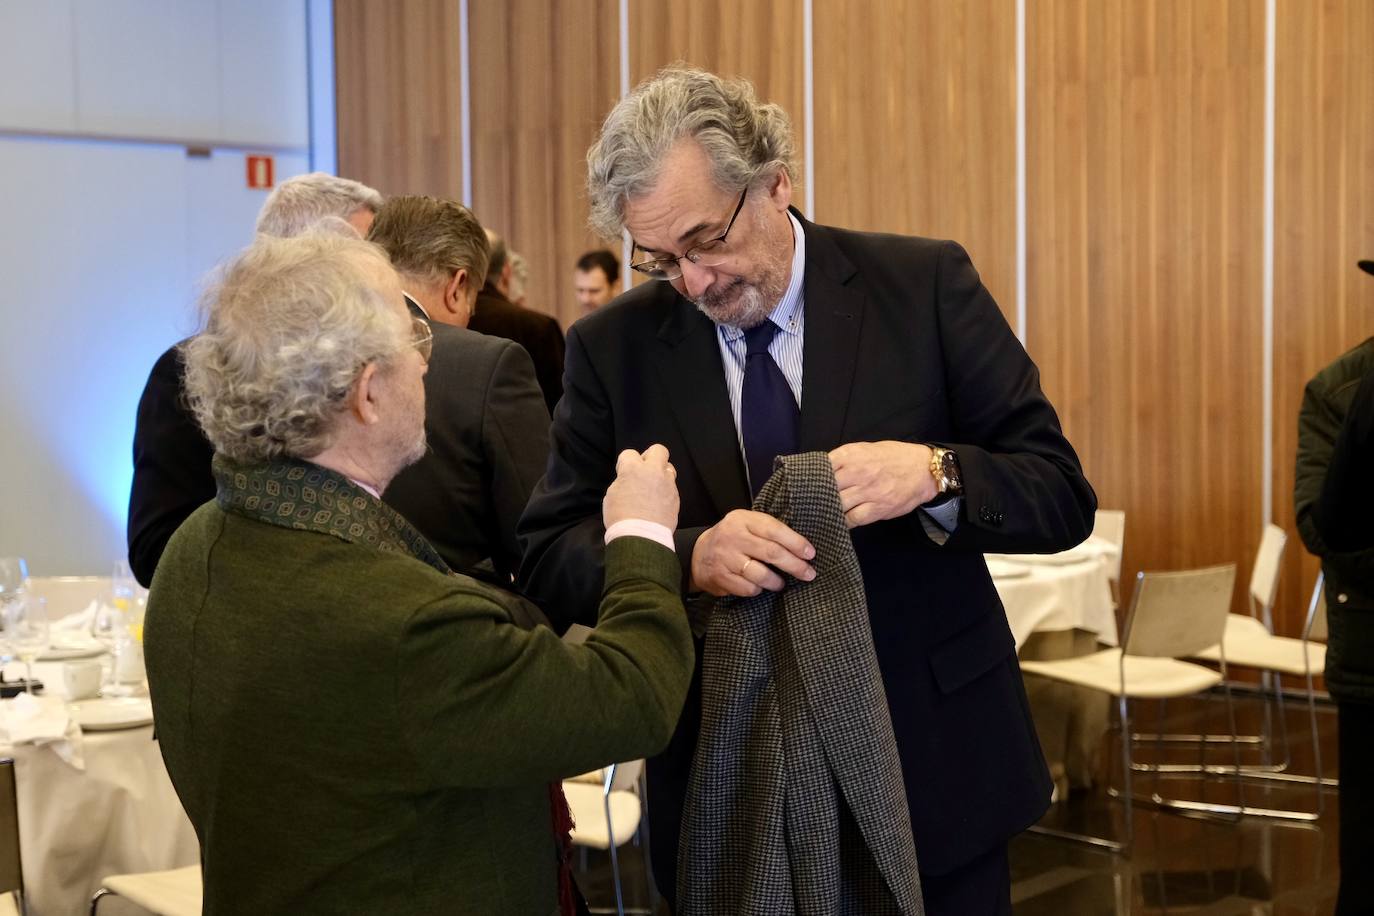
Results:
<point x="540" y="335"/>
<point x="171" y="455"/>
<point x="485" y="418"/>
<point x="775" y="335"/>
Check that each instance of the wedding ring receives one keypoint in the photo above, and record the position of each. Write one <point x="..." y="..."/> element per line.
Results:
<point x="743" y="569"/>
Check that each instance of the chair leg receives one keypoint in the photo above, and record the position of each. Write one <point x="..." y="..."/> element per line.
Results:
<point x="615" y="859"/>
<point x="1123" y="707"/>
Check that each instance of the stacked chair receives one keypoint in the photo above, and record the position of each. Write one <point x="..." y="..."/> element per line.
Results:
<point x="1173" y="616"/>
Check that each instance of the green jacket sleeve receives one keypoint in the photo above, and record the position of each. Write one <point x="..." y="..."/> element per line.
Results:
<point x="485" y="703"/>
<point x="1318" y="424"/>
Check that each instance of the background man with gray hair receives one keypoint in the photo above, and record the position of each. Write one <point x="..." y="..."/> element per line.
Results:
<point x="171" y="455"/>
<point x="298" y="203"/>
<point x="350" y="727"/>
<point x="771" y="335"/>
<point x="487" y="423"/>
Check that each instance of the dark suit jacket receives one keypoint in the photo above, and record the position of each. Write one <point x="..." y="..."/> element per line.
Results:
<point x="488" y="433"/>
<point x="171" y="466"/>
<point x="902" y="342"/>
<point x="538" y="333"/>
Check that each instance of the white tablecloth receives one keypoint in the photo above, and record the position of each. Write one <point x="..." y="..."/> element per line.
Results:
<point x="118" y="815"/>
<point x="1070" y="596"/>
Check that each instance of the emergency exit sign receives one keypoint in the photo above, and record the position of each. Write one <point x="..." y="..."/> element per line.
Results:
<point x="259" y="171"/>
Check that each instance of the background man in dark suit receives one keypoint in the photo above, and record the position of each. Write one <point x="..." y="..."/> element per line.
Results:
<point x="171" y="455"/>
<point x="485" y="418"/>
<point x="775" y="335"/>
<point x="539" y="334"/>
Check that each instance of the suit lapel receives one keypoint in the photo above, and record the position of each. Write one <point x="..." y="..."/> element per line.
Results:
<point x="834" y="317"/>
<point x="690" y="367"/>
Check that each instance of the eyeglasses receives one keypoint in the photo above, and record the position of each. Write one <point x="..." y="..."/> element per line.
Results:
<point x="422" y="336"/>
<point x="707" y="254"/>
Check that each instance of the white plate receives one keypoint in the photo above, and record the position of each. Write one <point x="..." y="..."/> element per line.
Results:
<point x="109" y="713"/>
<point x="66" y="653"/>
<point x="1003" y="569"/>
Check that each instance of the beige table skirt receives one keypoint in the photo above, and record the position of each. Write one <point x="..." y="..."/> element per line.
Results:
<point x="1071" y="721"/>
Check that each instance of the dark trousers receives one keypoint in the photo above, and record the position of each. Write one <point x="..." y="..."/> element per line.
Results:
<point x="1356" y="735"/>
<point x="979" y="888"/>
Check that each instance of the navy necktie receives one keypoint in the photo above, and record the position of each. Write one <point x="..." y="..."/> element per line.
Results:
<point x="768" y="412"/>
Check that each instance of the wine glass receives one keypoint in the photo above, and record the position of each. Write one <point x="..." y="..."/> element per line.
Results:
<point x="110" y="628"/>
<point x="13" y="574"/>
<point x="28" y="631"/>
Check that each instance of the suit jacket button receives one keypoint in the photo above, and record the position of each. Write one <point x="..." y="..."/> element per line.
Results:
<point x="1342" y="598"/>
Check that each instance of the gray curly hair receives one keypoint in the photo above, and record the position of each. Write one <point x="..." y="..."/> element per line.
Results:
<point x="288" y="326"/>
<point x="747" y="141"/>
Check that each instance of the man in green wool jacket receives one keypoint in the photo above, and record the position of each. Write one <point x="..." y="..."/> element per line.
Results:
<point x="351" y="727"/>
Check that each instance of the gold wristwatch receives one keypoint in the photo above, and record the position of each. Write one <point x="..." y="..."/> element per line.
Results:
<point x="944" y="467"/>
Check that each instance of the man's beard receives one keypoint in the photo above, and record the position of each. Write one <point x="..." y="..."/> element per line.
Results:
<point x="742" y="304"/>
<point x="419" y="447"/>
<point x="745" y="303"/>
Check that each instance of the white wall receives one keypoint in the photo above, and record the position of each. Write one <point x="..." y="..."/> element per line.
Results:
<point x="109" y="225"/>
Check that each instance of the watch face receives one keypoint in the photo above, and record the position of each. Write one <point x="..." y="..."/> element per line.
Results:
<point x="949" y="464"/>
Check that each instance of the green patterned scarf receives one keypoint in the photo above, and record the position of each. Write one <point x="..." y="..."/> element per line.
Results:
<point x="306" y="497"/>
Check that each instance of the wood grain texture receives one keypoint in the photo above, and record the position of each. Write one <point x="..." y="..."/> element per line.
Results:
<point x="398" y="76"/>
<point x="543" y="77"/>
<point x="1145" y="227"/>
<point x="1324" y="223"/>
<point x="916" y="125"/>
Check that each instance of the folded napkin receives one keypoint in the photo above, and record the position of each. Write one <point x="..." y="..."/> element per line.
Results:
<point x="74" y="630"/>
<point x="28" y="719"/>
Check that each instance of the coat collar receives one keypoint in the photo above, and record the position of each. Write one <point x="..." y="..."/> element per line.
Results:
<point x="296" y="494"/>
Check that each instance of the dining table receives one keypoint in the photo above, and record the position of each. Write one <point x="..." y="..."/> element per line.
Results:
<point x="99" y="802"/>
<point x="97" y="805"/>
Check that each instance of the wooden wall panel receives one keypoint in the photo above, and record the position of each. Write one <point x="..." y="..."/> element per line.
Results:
<point x="1324" y="223"/>
<point x="543" y="77"/>
<point x="398" y="75"/>
<point x="916" y="125"/>
<point x="760" y="40"/>
<point x="1145" y="225"/>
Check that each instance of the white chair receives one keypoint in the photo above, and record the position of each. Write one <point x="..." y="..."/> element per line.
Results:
<point x="606" y="814"/>
<point x="1264" y="583"/>
<point x="1110" y="525"/>
<point x="1173" y="615"/>
<point x="1303" y="657"/>
<point x="177" y="892"/>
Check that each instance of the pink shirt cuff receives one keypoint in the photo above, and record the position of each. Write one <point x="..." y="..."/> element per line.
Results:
<point x="638" y="527"/>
